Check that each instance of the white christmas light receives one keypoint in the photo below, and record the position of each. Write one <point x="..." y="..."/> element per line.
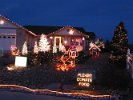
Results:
<point x="24" y="49"/>
<point x="83" y="38"/>
<point x="2" y="22"/>
<point x="71" y="32"/>
<point x="51" y="37"/>
<point x="65" y="42"/>
<point x="36" y="48"/>
<point x="44" y="44"/>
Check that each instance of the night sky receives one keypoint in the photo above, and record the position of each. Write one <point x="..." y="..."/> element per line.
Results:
<point x="99" y="16"/>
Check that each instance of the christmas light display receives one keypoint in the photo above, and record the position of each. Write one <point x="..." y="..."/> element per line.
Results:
<point x="36" y="49"/>
<point x="74" y="94"/>
<point x="2" y="22"/>
<point x="67" y="60"/>
<point x="24" y="49"/>
<point x="14" y="50"/>
<point x="43" y="44"/>
<point x="94" y="50"/>
<point x="54" y="48"/>
<point x="119" y="44"/>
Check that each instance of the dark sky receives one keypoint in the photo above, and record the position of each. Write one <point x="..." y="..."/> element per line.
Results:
<point x="99" y="16"/>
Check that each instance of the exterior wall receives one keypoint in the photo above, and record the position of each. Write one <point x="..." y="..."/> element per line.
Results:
<point x="71" y="40"/>
<point x="23" y="36"/>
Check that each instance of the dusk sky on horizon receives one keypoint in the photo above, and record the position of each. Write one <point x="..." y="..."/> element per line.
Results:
<point x="99" y="16"/>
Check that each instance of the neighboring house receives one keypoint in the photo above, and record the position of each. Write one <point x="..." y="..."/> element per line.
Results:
<point x="66" y="36"/>
<point x="14" y="34"/>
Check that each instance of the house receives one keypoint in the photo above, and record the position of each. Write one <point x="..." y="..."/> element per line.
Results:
<point x="12" y="34"/>
<point x="66" y="36"/>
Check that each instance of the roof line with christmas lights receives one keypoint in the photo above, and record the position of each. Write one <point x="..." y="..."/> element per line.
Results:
<point x="56" y="93"/>
<point x="21" y="27"/>
<point x="68" y="27"/>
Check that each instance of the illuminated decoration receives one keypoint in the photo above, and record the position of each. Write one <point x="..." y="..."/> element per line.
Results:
<point x="83" y="38"/>
<point x="130" y="62"/>
<point x="94" y="50"/>
<point x="44" y="44"/>
<point x="51" y="37"/>
<point x="20" y="61"/>
<point x="71" y="32"/>
<point x="54" y="46"/>
<point x="65" y="42"/>
<point x="73" y="94"/>
<point x="24" y="49"/>
<point x="119" y="44"/>
<point x="63" y="48"/>
<point x="79" y="47"/>
<point x="99" y="42"/>
<point x="36" y="49"/>
<point x="67" y="60"/>
<point x="60" y="46"/>
<point x="84" y="79"/>
<point x="14" y="50"/>
<point x="2" y="22"/>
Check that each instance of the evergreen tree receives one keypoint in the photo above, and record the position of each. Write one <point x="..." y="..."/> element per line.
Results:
<point x="119" y="44"/>
<point x="36" y="48"/>
<point x="43" y="44"/>
<point x="24" y="49"/>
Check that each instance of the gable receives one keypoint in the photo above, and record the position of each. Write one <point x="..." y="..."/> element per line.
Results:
<point x="8" y="26"/>
<point x="68" y="31"/>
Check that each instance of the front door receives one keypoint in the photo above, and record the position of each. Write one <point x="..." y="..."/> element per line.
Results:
<point x="57" y="41"/>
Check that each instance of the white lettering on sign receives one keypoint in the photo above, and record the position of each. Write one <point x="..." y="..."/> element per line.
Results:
<point x="84" y="79"/>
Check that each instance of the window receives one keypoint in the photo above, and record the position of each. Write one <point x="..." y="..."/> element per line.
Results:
<point x="4" y="36"/>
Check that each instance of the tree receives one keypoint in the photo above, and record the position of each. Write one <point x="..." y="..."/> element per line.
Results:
<point x="36" y="49"/>
<point x="119" y="44"/>
<point x="43" y="44"/>
<point x="24" y="49"/>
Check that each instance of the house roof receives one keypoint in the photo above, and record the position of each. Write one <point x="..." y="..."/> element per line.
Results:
<point x="17" y="25"/>
<point x="50" y="29"/>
